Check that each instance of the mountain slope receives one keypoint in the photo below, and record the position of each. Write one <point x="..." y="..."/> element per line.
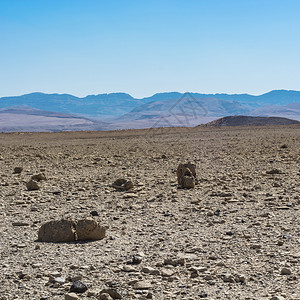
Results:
<point x="93" y="105"/>
<point x="29" y="119"/>
<point x="250" y="121"/>
<point x="118" y="104"/>
<point x="291" y="111"/>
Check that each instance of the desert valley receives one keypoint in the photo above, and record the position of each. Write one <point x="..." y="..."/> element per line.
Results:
<point x="235" y="235"/>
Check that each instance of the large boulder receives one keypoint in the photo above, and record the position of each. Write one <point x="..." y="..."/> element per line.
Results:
<point x="186" y="175"/>
<point x="89" y="229"/>
<point x="70" y="231"/>
<point x="57" y="231"/>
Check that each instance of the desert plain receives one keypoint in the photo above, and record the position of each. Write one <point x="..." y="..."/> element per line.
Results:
<point x="236" y="235"/>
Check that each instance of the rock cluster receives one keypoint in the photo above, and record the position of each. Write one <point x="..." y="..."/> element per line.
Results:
<point x="70" y="231"/>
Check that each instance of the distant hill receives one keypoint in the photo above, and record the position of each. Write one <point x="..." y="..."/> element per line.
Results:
<point x="25" y="118"/>
<point x="94" y="105"/>
<point x="291" y="111"/>
<point x="122" y="111"/>
<point x="118" y="104"/>
<point x="250" y="121"/>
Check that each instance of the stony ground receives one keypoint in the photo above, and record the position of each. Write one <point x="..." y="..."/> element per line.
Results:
<point x="235" y="236"/>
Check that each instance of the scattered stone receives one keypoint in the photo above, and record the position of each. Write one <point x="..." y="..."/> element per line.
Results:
<point x="105" y="296"/>
<point x="203" y="295"/>
<point x="93" y="292"/>
<point x="273" y="172"/>
<point x="32" y="185"/>
<point x="174" y="261"/>
<point x="129" y="268"/>
<point x="122" y="185"/>
<point x="150" y="271"/>
<point x="113" y="293"/>
<point x="277" y="298"/>
<point x="94" y="213"/>
<point x="59" y="280"/>
<point x="166" y="272"/>
<point x="137" y="259"/>
<point x="240" y="278"/>
<point x="285" y="271"/>
<point x="71" y="296"/>
<point x="20" y="224"/>
<point x="39" y="177"/>
<point x="18" y="170"/>
<point x="228" y="278"/>
<point x="142" y="285"/>
<point x="78" y="287"/>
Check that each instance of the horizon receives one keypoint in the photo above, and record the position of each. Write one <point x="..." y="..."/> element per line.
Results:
<point x="139" y="98"/>
<point x="95" y="47"/>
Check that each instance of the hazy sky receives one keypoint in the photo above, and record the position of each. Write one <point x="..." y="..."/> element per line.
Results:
<point x="142" y="47"/>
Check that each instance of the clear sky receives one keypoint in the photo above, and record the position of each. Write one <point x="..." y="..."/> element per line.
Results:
<point x="143" y="47"/>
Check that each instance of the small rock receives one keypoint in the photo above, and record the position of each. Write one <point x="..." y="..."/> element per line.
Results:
<point x="71" y="296"/>
<point x="149" y="296"/>
<point x="174" y="261"/>
<point x="228" y="278"/>
<point x="94" y="213"/>
<point x="92" y="293"/>
<point x="277" y="298"/>
<point x="78" y="287"/>
<point x="142" y="285"/>
<point x="76" y="277"/>
<point x="137" y="259"/>
<point x="18" y="170"/>
<point x="240" y="278"/>
<point x="285" y="271"/>
<point x="273" y="171"/>
<point x="203" y="295"/>
<point x="150" y="271"/>
<point x="129" y="269"/>
<point x="32" y="185"/>
<point x="122" y="184"/>
<point x="20" y="224"/>
<point x="105" y="296"/>
<point x="59" y="280"/>
<point x="39" y="177"/>
<point x="166" y="272"/>
<point x="113" y="293"/>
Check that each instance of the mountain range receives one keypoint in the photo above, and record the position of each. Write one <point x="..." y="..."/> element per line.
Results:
<point x="121" y="110"/>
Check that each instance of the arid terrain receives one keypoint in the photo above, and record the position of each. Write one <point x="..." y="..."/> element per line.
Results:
<point x="235" y="236"/>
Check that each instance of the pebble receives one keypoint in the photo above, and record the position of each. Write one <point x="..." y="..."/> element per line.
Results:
<point x="150" y="270"/>
<point x="142" y="285"/>
<point x="78" y="287"/>
<point x="285" y="271"/>
<point x="71" y="296"/>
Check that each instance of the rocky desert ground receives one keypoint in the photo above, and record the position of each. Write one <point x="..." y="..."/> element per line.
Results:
<point x="236" y="235"/>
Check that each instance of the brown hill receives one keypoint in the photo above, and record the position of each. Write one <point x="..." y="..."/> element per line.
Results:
<point x="250" y="121"/>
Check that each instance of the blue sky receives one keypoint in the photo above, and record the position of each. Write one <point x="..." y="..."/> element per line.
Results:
<point x="144" y="47"/>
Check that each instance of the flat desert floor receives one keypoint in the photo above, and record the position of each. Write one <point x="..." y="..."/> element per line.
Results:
<point x="235" y="236"/>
